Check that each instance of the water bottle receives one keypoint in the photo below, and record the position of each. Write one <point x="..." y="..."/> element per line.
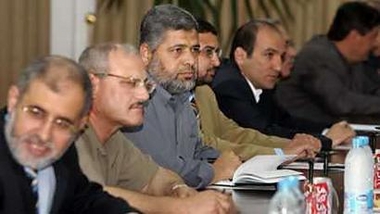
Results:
<point x="358" y="178"/>
<point x="365" y="144"/>
<point x="288" y="199"/>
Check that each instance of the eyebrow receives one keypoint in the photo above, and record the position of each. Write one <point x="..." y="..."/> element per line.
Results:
<point x="213" y="47"/>
<point x="272" y="50"/>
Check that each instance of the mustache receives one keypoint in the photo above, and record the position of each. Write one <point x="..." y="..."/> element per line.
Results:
<point x="36" y="140"/>
<point x="140" y="104"/>
<point x="187" y="69"/>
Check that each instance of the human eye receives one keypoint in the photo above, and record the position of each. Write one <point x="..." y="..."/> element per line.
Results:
<point x="35" y="112"/>
<point x="133" y="82"/>
<point x="64" y="124"/>
<point x="269" y="55"/>
<point x="177" y="50"/>
<point x="195" y="50"/>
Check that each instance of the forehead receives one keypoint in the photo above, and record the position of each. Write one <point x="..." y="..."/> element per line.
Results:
<point x="208" y="39"/>
<point x="126" y="64"/>
<point x="179" y="37"/>
<point x="67" y="101"/>
<point x="373" y="33"/>
<point x="268" y="38"/>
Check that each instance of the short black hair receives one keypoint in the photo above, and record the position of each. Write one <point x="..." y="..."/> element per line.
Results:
<point x="206" y="27"/>
<point x="161" y="18"/>
<point x="245" y="36"/>
<point x="357" y="16"/>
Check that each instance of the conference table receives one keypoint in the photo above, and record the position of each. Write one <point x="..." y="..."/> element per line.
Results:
<point x="252" y="201"/>
<point x="256" y="200"/>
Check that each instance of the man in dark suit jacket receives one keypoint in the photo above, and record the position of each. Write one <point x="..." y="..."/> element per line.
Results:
<point x="328" y="81"/>
<point x="39" y="166"/>
<point x="244" y="86"/>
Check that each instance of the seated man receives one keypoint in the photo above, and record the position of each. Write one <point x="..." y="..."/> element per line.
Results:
<point x="328" y="82"/>
<point x="120" y="90"/>
<point x="216" y="129"/>
<point x="39" y="167"/>
<point x="244" y="85"/>
<point x="169" y="47"/>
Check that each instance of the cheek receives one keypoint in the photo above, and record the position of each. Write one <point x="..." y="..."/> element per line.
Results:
<point x="61" y="144"/>
<point x="202" y="69"/>
<point x="23" y="128"/>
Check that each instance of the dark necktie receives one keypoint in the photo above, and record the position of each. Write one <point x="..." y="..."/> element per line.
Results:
<point x="196" y="112"/>
<point x="194" y="107"/>
<point x="32" y="175"/>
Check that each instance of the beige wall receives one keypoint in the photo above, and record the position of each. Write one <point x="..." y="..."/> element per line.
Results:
<point x="24" y="28"/>
<point x="310" y="17"/>
<point x="24" y="35"/>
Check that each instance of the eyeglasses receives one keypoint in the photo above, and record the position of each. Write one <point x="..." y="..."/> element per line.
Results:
<point x="147" y="83"/>
<point x="210" y="51"/>
<point x="39" y="116"/>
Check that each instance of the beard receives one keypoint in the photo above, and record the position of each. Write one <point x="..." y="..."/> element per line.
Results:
<point x="18" y="147"/>
<point x="170" y="80"/>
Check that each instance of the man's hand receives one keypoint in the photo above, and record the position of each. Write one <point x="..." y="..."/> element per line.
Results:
<point x="225" y="166"/>
<point x="209" y="202"/>
<point x="304" y="146"/>
<point x="183" y="191"/>
<point x="340" y="132"/>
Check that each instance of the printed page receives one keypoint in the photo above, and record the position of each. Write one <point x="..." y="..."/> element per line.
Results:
<point x="364" y="127"/>
<point x="263" y="169"/>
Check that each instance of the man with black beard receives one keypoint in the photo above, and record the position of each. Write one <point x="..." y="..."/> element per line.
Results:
<point x="169" y="47"/>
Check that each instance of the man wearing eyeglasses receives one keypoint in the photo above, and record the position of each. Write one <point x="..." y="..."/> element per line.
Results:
<point x="121" y="89"/>
<point x="39" y="166"/>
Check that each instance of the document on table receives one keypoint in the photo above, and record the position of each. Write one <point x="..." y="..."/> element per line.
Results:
<point x="364" y="127"/>
<point x="261" y="169"/>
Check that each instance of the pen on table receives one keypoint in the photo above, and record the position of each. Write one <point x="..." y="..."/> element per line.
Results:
<point x="311" y="170"/>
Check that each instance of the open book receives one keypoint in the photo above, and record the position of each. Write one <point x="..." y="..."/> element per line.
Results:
<point x="261" y="169"/>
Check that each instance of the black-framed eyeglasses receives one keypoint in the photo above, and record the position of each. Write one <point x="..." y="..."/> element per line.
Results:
<point x="147" y="83"/>
<point x="210" y="51"/>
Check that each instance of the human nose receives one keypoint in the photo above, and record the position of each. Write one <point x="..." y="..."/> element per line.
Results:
<point x="215" y="60"/>
<point x="142" y="94"/>
<point x="278" y="64"/>
<point x="190" y="58"/>
<point x="46" y="130"/>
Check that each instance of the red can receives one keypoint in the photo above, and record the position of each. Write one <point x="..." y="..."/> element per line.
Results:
<point x="376" y="181"/>
<point x="320" y="196"/>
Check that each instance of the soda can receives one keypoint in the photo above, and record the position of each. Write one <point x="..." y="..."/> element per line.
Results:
<point x="320" y="196"/>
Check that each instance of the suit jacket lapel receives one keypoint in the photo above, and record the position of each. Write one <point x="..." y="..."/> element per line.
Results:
<point x="61" y="175"/>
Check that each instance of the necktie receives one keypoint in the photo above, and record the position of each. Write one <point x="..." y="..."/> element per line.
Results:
<point x="196" y="112"/>
<point x="194" y="107"/>
<point x="32" y="175"/>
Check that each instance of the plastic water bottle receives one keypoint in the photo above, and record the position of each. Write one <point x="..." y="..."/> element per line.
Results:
<point x="365" y="145"/>
<point x="288" y="199"/>
<point x="358" y="178"/>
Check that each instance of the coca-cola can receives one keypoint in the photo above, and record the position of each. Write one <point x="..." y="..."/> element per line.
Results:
<point x="320" y="196"/>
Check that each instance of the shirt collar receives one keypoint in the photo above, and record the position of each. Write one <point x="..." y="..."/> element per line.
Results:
<point x="256" y="92"/>
<point x="167" y="97"/>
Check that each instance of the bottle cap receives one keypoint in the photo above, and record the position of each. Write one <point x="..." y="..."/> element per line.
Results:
<point x="360" y="141"/>
<point x="288" y="182"/>
<point x="364" y="140"/>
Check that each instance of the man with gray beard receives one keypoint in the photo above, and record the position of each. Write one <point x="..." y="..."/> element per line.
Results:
<point x="40" y="173"/>
<point x="169" y="47"/>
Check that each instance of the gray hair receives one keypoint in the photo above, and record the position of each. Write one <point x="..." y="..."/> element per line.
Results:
<point x="95" y="59"/>
<point x="162" y="18"/>
<point x="54" y="69"/>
